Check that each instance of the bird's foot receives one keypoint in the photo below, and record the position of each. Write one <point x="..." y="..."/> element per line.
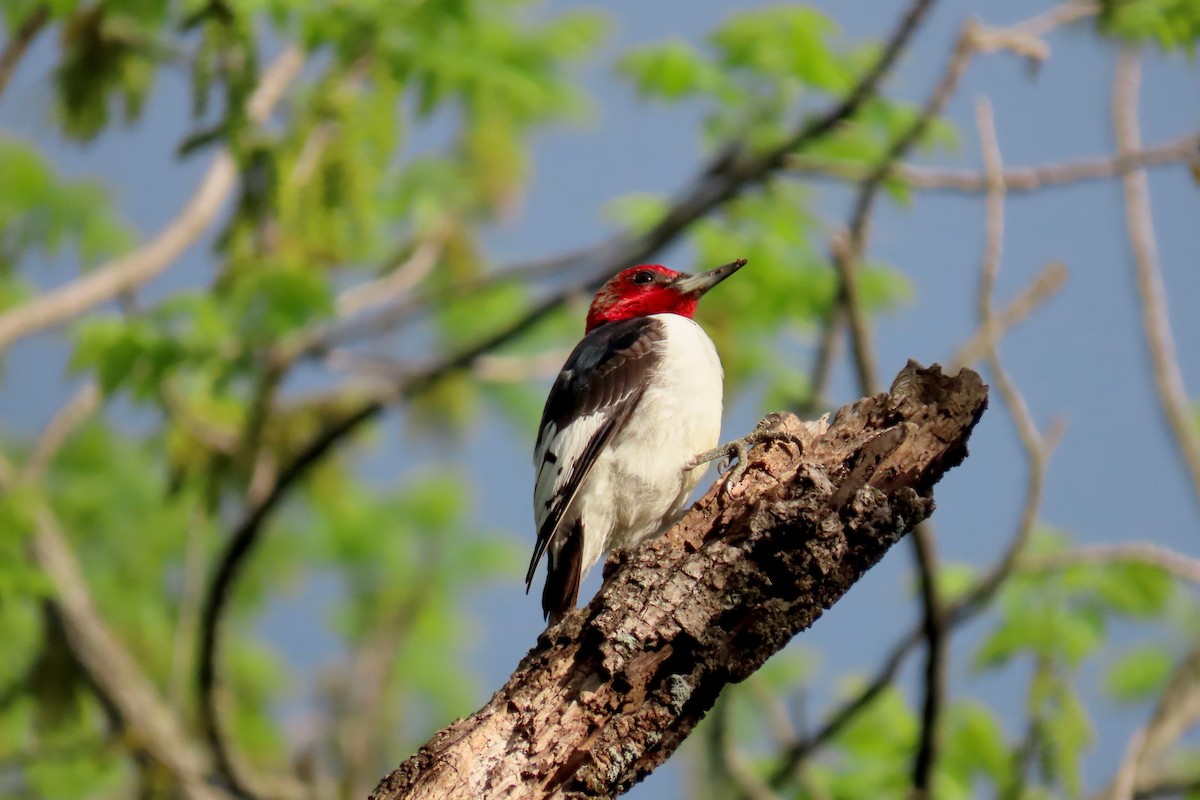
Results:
<point x="734" y="456"/>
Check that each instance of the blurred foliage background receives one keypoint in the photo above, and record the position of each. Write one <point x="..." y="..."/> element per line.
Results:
<point x="200" y="458"/>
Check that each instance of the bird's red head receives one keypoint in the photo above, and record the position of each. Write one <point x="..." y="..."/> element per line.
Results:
<point x="653" y="289"/>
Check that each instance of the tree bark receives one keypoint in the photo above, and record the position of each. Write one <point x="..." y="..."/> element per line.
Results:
<point x="608" y="694"/>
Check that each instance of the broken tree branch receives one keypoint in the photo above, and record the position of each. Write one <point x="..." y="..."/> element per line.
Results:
<point x="608" y="694"/>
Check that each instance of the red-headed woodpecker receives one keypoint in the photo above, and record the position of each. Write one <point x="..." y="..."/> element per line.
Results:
<point x="638" y="399"/>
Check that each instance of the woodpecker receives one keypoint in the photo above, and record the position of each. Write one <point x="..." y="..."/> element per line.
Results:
<point x="637" y="400"/>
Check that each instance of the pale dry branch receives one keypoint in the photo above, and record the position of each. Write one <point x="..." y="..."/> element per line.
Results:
<point x="1176" y="712"/>
<point x="1177" y="564"/>
<point x="1183" y="150"/>
<point x="1047" y="283"/>
<point x="115" y="673"/>
<point x="1168" y="378"/>
<point x="396" y="284"/>
<point x="1026" y="38"/>
<point x="81" y="406"/>
<point x="110" y="279"/>
<point x="1037" y="447"/>
<point x="1126" y="776"/>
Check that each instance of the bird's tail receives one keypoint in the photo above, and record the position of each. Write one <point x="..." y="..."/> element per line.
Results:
<point x="563" y="567"/>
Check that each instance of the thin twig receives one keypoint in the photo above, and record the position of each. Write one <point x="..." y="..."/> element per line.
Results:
<point x="1048" y="282"/>
<point x="796" y="754"/>
<point x="848" y="252"/>
<point x="369" y="681"/>
<point x="1155" y="555"/>
<point x="725" y="756"/>
<point x="114" y="672"/>
<point x="1183" y="150"/>
<point x="1037" y="447"/>
<point x="846" y="255"/>
<point x="120" y="274"/>
<point x="395" y="284"/>
<point x="1177" y="710"/>
<point x="828" y="349"/>
<point x="69" y="417"/>
<point x="1168" y="378"/>
<point x="19" y="42"/>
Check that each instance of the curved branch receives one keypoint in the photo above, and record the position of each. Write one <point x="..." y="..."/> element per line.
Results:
<point x="19" y="42"/>
<point x="1183" y="150"/>
<point x="119" y="274"/>
<point x="1168" y="378"/>
<point x="608" y="694"/>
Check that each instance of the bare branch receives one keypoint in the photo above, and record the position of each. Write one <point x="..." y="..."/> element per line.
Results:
<point x="1177" y="710"/>
<point x="846" y="255"/>
<point x="398" y="283"/>
<point x="110" y="279"/>
<point x="1181" y="566"/>
<point x="1168" y="379"/>
<point x="64" y="423"/>
<point x="19" y="41"/>
<point x="1183" y="150"/>
<point x="1025" y="38"/>
<point x="1044" y="285"/>
<point x="114" y="671"/>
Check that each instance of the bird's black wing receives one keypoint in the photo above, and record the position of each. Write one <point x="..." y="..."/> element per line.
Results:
<point x="595" y="395"/>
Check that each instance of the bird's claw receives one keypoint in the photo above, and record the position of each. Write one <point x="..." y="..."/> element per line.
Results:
<point x="734" y="456"/>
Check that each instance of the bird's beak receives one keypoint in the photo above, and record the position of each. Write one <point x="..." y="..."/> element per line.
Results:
<point x="699" y="284"/>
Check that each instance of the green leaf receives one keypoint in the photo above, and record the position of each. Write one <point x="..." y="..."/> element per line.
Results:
<point x="783" y="40"/>
<point x="276" y="299"/>
<point x="974" y="744"/>
<point x="1139" y="674"/>
<point x="954" y="579"/>
<point x="1069" y="733"/>
<point x="639" y="211"/>
<point x="1051" y="630"/>
<point x="670" y="71"/>
<point x="1171" y="24"/>
<point x="1134" y="589"/>
<point x="41" y="212"/>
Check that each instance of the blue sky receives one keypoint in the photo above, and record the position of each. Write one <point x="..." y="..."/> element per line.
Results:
<point x="1080" y="359"/>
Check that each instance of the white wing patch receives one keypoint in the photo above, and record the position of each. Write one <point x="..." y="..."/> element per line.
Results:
<point x="555" y="460"/>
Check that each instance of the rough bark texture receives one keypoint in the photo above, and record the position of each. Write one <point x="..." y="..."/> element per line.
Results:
<point x="607" y="695"/>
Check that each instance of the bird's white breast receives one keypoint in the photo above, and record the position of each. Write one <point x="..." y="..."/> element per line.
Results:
<point x="639" y="483"/>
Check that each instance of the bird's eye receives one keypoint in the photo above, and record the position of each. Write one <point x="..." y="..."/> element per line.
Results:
<point x="645" y="276"/>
